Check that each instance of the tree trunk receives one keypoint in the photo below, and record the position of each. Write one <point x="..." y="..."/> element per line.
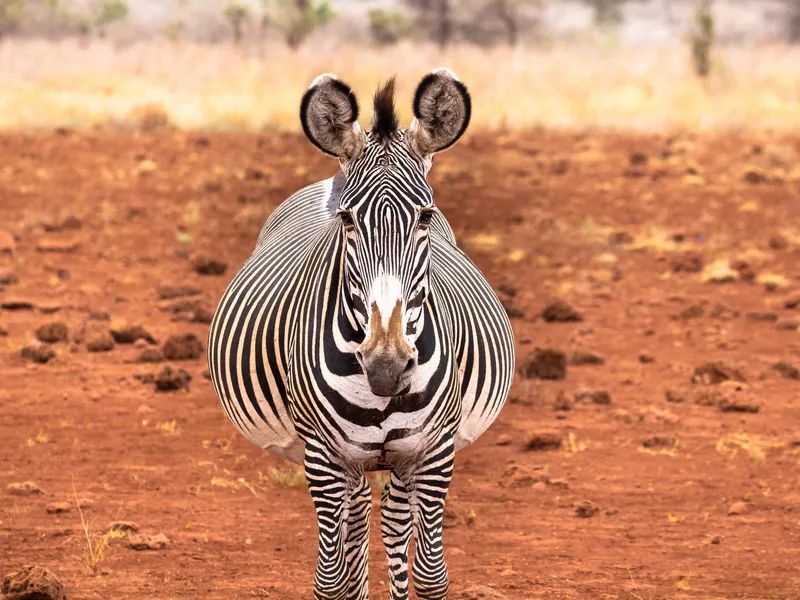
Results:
<point x="444" y="24"/>
<point x="508" y="18"/>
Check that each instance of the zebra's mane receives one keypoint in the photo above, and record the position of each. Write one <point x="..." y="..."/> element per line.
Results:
<point x="384" y="118"/>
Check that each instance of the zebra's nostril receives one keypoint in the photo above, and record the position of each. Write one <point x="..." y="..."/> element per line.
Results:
<point x="410" y="366"/>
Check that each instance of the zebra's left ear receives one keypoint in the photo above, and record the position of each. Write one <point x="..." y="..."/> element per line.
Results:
<point x="329" y="113"/>
<point x="442" y="109"/>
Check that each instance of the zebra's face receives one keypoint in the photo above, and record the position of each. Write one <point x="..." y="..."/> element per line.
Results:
<point x="385" y="211"/>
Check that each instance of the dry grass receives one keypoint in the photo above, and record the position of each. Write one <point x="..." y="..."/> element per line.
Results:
<point x="97" y="544"/>
<point x="46" y="84"/>
<point x="288" y="476"/>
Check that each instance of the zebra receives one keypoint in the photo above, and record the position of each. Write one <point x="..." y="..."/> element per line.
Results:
<point x="359" y="337"/>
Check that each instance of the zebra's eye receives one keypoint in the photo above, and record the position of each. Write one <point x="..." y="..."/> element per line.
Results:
<point x="346" y="217"/>
<point x="425" y="217"/>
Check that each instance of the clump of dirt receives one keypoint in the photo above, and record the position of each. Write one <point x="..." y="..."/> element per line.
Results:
<point x="52" y="333"/>
<point x="712" y="373"/>
<point x="146" y="541"/>
<point x="169" y="379"/>
<point x="8" y="276"/>
<point x="206" y="265"/>
<point x="33" y="583"/>
<point x="129" y="334"/>
<point x="586" y="509"/>
<point x="543" y="440"/>
<point x="544" y="363"/>
<point x="169" y="292"/>
<point x="584" y="357"/>
<point x="38" y="353"/>
<point x="687" y="262"/>
<point x="99" y="341"/>
<point x="26" y="488"/>
<point x="561" y="311"/>
<point x="182" y="347"/>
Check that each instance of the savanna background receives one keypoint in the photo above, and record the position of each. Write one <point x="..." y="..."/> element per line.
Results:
<point x="630" y="185"/>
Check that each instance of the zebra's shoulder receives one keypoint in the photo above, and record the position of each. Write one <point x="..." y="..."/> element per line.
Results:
<point x="314" y="205"/>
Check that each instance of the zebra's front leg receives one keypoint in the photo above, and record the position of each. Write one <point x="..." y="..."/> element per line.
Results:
<point x="357" y="542"/>
<point x="332" y="485"/>
<point x="427" y="497"/>
<point x="396" y="529"/>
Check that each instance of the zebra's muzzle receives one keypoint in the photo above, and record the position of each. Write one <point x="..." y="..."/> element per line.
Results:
<point x="388" y="374"/>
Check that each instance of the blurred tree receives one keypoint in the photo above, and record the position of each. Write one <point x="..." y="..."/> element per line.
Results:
<point x="237" y="14"/>
<point x="297" y="19"/>
<point x="794" y="21"/>
<point x="173" y="30"/>
<point x="437" y="17"/>
<point x="702" y="39"/>
<point x="388" y="26"/>
<point x="11" y="13"/>
<point x="607" y="12"/>
<point x="108" y="12"/>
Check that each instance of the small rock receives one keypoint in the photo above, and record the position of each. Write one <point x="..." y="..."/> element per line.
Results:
<point x="7" y="244"/>
<point x="638" y="158"/>
<point x="482" y="592"/>
<point x="762" y="317"/>
<point x="60" y="246"/>
<point x="169" y="292"/>
<point x="692" y="312"/>
<point x="204" y="265"/>
<point x="3" y="332"/>
<point x="786" y="370"/>
<point x="69" y="223"/>
<point x="675" y="396"/>
<point x="778" y="242"/>
<point x="743" y="269"/>
<point x="582" y="357"/>
<point x="52" y="333"/>
<point x="26" y="488"/>
<point x="738" y="508"/>
<point x="8" y="276"/>
<point x="182" y="347"/>
<point x="100" y="341"/>
<point x="512" y="311"/>
<point x="129" y="334"/>
<point x="143" y="376"/>
<point x="559" y="311"/>
<point x="38" y="353"/>
<point x="123" y="526"/>
<point x="202" y="315"/>
<point x="32" y="583"/>
<point x="168" y="379"/>
<point x="519" y="476"/>
<point x="503" y="440"/>
<point x="792" y="302"/>
<point x="99" y="315"/>
<point x="150" y="355"/>
<point x="56" y="508"/>
<point x="660" y="440"/>
<point x="715" y="539"/>
<point x="788" y="324"/>
<point x="601" y="397"/>
<point x="543" y="440"/>
<point x="586" y="509"/>
<point x="712" y="373"/>
<point x="688" y="262"/>
<point x="544" y="364"/>
<point x="16" y="304"/>
<point x="646" y="358"/>
<point x="507" y="289"/>
<point x="145" y="541"/>
<point x="559" y="167"/>
<point x="563" y="402"/>
<point x="754" y="175"/>
<point x="620" y="238"/>
<point x="738" y="401"/>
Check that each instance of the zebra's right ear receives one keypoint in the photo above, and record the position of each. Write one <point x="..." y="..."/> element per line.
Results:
<point x="329" y="114"/>
<point x="442" y="109"/>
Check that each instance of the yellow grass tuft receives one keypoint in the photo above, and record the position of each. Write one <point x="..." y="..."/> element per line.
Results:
<point x="288" y="476"/>
<point x="97" y="544"/>
<point x="755" y="446"/>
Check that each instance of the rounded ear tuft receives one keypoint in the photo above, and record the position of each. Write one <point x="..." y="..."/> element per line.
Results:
<point x="329" y="113"/>
<point x="442" y="110"/>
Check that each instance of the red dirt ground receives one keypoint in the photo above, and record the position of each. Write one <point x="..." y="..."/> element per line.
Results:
<point x="549" y="214"/>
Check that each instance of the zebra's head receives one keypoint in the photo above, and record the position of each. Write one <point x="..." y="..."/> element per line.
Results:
<point x="385" y="210"/>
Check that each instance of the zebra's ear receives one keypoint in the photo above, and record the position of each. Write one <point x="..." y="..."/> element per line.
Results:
<point x="329" y="114"/>
<point x="442" y="109"/>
